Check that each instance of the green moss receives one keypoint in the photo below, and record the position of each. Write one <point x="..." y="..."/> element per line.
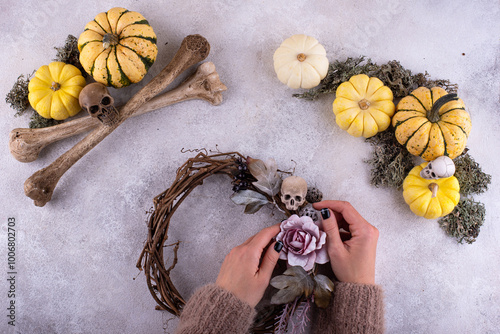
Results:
<point x="470" y="176"/>
<point x="69" y="53"/>
<point x="17" y="97"/>
<point x="399" y="79"/>
<point x="390" y="161"/>
<point x="465" y="220"/>
<point x="37" y="121"/>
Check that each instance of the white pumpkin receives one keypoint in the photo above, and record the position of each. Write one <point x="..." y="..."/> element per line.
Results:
<point x="300" y="62"/>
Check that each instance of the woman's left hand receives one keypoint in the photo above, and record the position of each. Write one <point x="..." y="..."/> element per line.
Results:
<point x="244" y="273"/>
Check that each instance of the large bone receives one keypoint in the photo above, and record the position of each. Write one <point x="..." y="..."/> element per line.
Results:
<point x="26" y="144"/>
<point x="40" y="186"/>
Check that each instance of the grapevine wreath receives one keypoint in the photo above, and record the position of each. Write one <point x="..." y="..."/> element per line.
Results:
<point x="255" y="183"/>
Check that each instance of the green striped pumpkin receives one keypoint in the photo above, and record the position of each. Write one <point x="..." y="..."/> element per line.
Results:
<point x="118" y="47"/>
<point x="431" y="123"/>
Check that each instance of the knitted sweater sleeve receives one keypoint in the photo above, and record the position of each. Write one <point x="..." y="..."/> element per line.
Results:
<point x="213" y="310"/>
<point x="354" y="308"/>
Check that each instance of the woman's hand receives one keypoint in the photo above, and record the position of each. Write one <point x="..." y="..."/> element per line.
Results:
<point x="352" y="260"/>
<point x="243" y="273"/>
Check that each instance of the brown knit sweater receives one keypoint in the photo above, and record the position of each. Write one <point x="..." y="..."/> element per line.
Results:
<point x="355" y="308"/>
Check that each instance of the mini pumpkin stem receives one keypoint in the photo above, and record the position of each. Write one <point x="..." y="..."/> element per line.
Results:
<point x="109" y="40"/>
<point x="301" y="57"/>
<point x="364" y="104"/>
<point x="434" y="187"/>
<point x="55" y="86"/>
<point x="433" y="114"/>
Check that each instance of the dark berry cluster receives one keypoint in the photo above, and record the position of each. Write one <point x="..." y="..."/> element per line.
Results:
<point x="314" y="195"/>
<point x="242" y="178"/>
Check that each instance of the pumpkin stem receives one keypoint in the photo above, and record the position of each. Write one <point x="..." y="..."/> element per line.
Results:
<point x="433" y="114"/>
<point x="433" y="187"/>
<point x="55" y="86"/>
<point x="109" y="40"/>
<point x="364" y="104"/>
<point x="301" y="57"/>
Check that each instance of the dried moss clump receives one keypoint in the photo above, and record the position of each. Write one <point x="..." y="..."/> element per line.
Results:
<point x="400" y="80"/>
<point x="17" y="97"/>
<point x="470" y="176"/>
<point x="37" y="121"/>
<point x="338" y="72"/>
<point x="390" y="161"/>
<point x="465" y="220"/>
<point x="69" y="53"/>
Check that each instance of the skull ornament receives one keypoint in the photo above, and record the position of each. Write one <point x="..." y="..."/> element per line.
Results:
<point x="96" y="100"/>
<point x="293" y="192"/>
<point x="440" y="167"/>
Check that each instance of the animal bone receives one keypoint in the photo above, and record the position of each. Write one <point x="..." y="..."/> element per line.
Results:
<point x="40" y="186"/>
<point x="26" y="144"/>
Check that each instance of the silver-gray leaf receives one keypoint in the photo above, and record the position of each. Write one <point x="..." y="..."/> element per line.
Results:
<point x="292" y="284"/>
<point x="266" y="174"/>
<point x="322" y="290"/>
<point x="245" y="197"/>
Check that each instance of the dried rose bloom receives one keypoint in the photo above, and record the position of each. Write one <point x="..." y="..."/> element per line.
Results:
<point x="303" y="242"/>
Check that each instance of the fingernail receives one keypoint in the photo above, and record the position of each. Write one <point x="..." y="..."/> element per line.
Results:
<point x="325" y="213"/>
<point x="278" y="246"/>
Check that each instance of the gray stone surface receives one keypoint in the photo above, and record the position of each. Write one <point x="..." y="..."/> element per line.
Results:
<point x="75" y="257"/>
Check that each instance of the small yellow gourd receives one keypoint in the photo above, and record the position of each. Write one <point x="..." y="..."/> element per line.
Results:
<point x="430" y="198"/>
<point x="54" y="90"/>
<point x="363" y="106"/>
<point x="300" y="62"/>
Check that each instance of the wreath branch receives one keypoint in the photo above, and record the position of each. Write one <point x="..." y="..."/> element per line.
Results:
<point x="190" y="175"/>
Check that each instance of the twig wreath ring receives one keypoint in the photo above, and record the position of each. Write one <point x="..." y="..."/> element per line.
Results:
<point x="255" y="184"/>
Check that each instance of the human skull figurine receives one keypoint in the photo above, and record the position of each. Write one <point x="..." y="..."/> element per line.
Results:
<point x="293" y="192"/>
<point x="438" y="168"/>
<point x="96" y="100"/>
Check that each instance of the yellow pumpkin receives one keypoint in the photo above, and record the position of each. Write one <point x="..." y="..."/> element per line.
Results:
<point x="430" y="198"/>
<point x="431" y="123"/>
<point x="300" y="62"/>
<point x="54" y="90"/>
<point x="118" y="47"/>
<point x="363" y="106"/>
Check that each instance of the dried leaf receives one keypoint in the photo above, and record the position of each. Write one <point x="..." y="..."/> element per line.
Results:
<point x="292" y="284"/>
<point x="266" y="174"/>
<point x="254" y="207"/>
<point x="252" y="199"/>
<point x="322" y="290"/>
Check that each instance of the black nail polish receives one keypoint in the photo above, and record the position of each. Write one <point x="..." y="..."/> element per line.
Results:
<point x="278" y="246"/>
<point x="325" y="213"/>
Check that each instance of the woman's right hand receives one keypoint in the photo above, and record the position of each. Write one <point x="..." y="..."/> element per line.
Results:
<point x="352" y="260"/>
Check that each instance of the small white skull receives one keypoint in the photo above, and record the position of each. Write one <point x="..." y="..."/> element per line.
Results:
<point x="440" y="167"/>
<point x="96" y="100"/>
<point x="293" y="192"/>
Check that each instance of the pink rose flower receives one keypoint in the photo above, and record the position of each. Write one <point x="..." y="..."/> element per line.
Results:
<point x="303" y="242"/>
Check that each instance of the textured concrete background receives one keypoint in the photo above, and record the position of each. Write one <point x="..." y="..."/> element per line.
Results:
<point x="76" y="256"/>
